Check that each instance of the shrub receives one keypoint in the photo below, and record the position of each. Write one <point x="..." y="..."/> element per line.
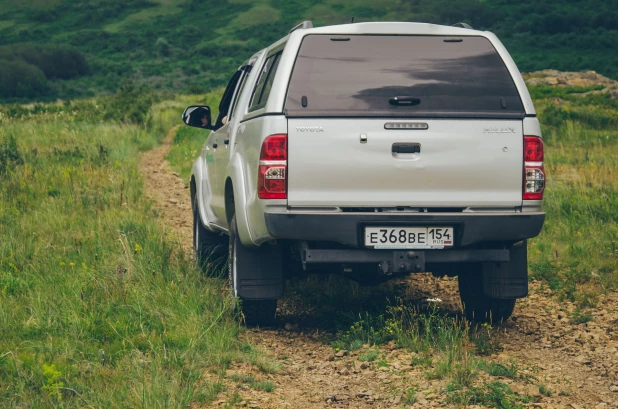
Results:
<point x="56" y="61"/>
<point x="130" y="104"/>
<point x="163" y="47"/>
<point x="19" y="79"/>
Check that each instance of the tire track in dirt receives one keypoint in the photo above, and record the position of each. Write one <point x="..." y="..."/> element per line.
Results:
<point x="577" y="362"/>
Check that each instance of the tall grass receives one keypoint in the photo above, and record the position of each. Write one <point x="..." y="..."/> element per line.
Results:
<point x="577" y="251"/>
<point x="99" y="305"/>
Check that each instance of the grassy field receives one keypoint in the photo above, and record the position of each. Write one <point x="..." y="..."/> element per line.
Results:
<point x="577" y="253"/>
<point x="99" y="305"/>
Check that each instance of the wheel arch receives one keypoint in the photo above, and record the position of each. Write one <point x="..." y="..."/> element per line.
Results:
<point x="236" y="200"/>
<point x="196" y="187"/>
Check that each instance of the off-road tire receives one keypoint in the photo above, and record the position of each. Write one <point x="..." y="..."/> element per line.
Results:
<point x="209" y="248"/>
<point x="477" y="306"/>
<point x="254" y="312"/>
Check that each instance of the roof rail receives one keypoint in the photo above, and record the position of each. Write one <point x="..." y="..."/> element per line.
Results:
<point x="463" y="25"/>
<point x="302" y="26"/>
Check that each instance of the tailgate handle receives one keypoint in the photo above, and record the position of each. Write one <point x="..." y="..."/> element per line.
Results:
<point x="406" y="148"/>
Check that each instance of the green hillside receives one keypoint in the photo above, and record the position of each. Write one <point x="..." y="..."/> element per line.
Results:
<point x="190" y="45"/>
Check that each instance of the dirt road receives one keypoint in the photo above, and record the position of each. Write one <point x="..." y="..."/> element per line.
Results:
<point x="577" y="363"/>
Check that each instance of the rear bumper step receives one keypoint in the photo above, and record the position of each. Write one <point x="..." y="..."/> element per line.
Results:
<point x="429" y="256"/>
<point x="348" y="228"/>
<point x="403" y="261"/>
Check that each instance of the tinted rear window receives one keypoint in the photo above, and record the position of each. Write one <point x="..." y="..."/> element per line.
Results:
<point x="360" y="75"/>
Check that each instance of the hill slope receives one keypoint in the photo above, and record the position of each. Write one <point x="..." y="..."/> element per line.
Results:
<point x="192" y="46"/>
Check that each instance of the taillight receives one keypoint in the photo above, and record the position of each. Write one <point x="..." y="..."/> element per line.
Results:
<point x="272" y="173"/>
<point x="534" y="172"/>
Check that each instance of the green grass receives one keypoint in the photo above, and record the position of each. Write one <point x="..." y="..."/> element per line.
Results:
<point x="491" y="394"/>
<point x="266" y="386"/>
<point x="548" y="91"/>
<point x="577" y="251"/>
<point x="369" y="356"/>
<point x="544" y="390"/>
<point x="99" y="304"/>
<point x="163" y="8"/>
<point x="499" y="369"/>
<point x="580" y="317"/>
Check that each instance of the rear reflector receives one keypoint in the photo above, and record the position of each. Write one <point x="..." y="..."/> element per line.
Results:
<point x="534" y="172"/>
<point x="272" y="173"/>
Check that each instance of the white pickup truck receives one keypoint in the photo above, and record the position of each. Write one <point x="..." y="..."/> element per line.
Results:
<point x="372" y="150"/>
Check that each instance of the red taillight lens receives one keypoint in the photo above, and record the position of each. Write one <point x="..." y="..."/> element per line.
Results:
<point x="534" y="172"/>
<point x="533" y="149"/>
<point x="272" y="173"/>
<point x="275" y="147"/>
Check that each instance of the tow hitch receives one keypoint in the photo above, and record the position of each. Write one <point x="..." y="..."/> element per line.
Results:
<point x="403" y="262"/>
<point x="392" y="262"/>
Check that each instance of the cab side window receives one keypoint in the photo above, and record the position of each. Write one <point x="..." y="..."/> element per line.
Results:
<point x="226" y="99"/>
<point x="264" y="83"/>
<point x="241" y="87"/>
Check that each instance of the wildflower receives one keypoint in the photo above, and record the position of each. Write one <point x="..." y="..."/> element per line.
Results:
<point x="62" y="264"/>
<point x="72" y="264"/>
<point x="138" y="249"/>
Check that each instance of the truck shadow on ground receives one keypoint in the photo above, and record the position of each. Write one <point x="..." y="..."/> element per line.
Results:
<point x="331" y="304"/>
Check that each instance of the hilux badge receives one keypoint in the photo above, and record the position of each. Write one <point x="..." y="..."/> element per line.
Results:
<point x="493" y="129"/>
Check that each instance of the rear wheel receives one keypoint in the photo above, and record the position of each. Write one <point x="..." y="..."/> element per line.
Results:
<point x="254" y="312"/>
<point x="209" y="248"/>
<point x="476" y="305"/>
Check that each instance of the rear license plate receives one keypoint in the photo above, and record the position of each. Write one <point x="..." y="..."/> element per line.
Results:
<point x="408" y="237"/>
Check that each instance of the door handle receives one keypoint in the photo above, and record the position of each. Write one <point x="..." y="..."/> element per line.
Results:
<point x="227" y="141"/>
<point x="406" y="148"/>
<point x="214" y="145"/>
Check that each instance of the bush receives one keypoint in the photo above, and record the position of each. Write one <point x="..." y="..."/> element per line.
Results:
<point x="130" y="104"/>
<point x="163" y="47"/>
<point x="57" y="61"/>
<point x="22" y="80"/>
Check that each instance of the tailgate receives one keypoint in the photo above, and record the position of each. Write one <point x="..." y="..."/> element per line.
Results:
<point x="451" y="163"/>
<point x="403" y="120"/>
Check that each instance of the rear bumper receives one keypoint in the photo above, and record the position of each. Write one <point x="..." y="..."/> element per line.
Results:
<point x="347" y="228"/>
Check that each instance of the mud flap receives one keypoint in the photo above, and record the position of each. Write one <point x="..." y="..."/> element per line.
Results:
<point x="508" y="280"/>
<point x="259" y="272"/>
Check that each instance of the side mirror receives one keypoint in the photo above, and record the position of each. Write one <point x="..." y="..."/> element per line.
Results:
<point x="198" y="116"/>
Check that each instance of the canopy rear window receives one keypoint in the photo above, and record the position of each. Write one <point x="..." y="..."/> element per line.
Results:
<point x="401" y="76"/>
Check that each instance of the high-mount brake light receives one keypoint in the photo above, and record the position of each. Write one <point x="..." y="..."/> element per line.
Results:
<point x="272" y="173"/>
<point x="534" y="172"/>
